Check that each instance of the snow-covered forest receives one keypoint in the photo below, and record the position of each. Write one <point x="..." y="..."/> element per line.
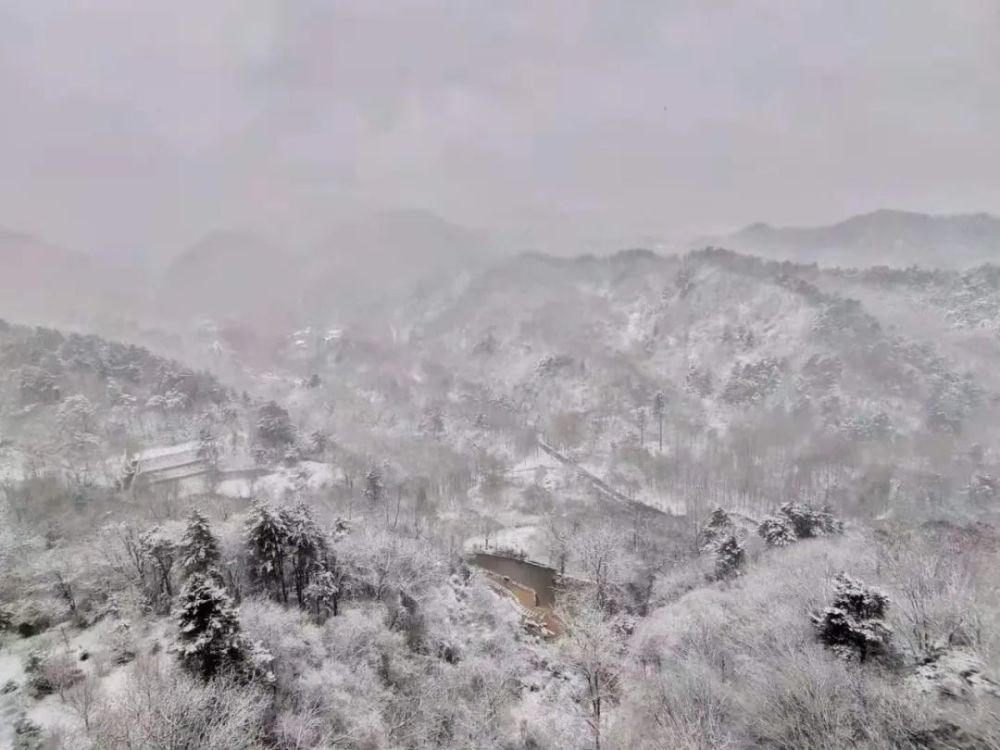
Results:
<point x="641" y="501"/>
<point x="553" y="375"/>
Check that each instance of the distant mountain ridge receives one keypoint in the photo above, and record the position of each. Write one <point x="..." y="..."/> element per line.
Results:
<point x="40" y="281"/>
<point x="230" y="275"/>
<point x="362" y="265"/>
<point x="238" y="275"/>
<point x="884" y="237"/>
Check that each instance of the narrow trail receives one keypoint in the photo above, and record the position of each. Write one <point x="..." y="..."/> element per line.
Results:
<point x="599" y="484"/>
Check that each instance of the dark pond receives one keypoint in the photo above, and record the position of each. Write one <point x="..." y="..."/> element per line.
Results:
<point x="536" y="577"/>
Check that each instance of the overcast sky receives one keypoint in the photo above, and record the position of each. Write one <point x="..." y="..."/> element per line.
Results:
<point x="133" y="126"/>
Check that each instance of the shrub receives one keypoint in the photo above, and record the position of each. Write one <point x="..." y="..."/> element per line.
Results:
<point x="161" y="707"/>
<point x="752" y="382"/>
<point x="854" y="624"/>
<point x="121" y="644"/>
<point x="729" y="557"/>
<point x="808" y="522"/>
<point x="719" y="526"/>
<point x="49" y="674"/>
<point x="807" y="702"/>
<point x="776" y="531"/>
<point x="35" y="617"/>
<point x="27" y="735"/>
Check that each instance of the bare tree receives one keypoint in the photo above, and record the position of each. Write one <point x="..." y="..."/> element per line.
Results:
<point x="162" y="707"/>
<point x="60" y="672"/>
<point x="594" y="647"/>
<point x="600" y="549"/>
<point x="85" y="699"/>
<point x="659" y="408"/>
<point x="64" y="590"/>
<point x="560" y="541"/>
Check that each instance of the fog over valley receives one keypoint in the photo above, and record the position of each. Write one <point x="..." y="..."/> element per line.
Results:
<point x="526" y="376"/>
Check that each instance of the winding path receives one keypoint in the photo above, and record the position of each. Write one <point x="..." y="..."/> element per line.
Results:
<point x="599" y="484"/>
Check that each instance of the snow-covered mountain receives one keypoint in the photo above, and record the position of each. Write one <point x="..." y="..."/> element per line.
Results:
<point x="759" y="364"/>
<point x="41" y="282"/>
<point x="885" y="237"/>
<point x="232" y="275"/>
<point x="241" y="277"/>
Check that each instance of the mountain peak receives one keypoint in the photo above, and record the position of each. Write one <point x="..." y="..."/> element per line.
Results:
<point x="882" y="237"/>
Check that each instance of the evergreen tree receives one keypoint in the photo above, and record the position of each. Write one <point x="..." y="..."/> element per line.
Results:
<point x="318" y="442"/>
<point x="719" y="519"/>
<point x="374" y="487"/>
<point x="267" y="539"/>
<point x="640" y="418"/>
<point x="854" y="624"/>
<point x="323" y="593"/>
<point x="209" y="628"/>
<point x="199" y="549"/>
<point x="274" y="426"/>
<point x="827" y="522"/>
<point x="27" y="735"/>
<point x="729" y="557"/>
<point x="659" y="409"/>
<point x="808" y="522"/>
<point x="719" y="525"/>
<point x="776" y="531"/>
<point x="307" y="548"/>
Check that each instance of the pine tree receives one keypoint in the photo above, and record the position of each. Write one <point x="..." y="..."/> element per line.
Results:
<point x="199" y="549"/>
<point x="808" y="522"/>
<point x="274" y="426"/>
<point x="374" y="487"/>
<point x="267" y="539"/>
<point x="719" y="525"/>
<point x="659" y="409"/>
<point x="323" y="593"/>
<point x="827" y="522"/>
<point x="719" y="519"/>
<point x="854" y="624"/>
<point x="640" y="418"/>
<point x="209" y="628"/>
<point x="307" y="547"/>
<point x="776" y="531"/>
<point x="27" y="735"/>
<point x="729" y="557"/>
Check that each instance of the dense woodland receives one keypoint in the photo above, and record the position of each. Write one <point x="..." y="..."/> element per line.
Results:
<point x="769" y="493"/>
<point x="436" y="375"/>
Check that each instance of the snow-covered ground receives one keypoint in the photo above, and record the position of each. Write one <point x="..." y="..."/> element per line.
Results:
<point x="51" y="712"/>
<point x="528" y="540"/>
<point x="283" y="483"/>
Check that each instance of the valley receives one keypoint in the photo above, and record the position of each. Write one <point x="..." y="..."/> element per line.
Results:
<point x="486" y="473"/>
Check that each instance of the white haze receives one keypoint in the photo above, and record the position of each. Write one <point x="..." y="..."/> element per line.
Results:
<point x="453" y="374"/>
<point x="133" y="129"/>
